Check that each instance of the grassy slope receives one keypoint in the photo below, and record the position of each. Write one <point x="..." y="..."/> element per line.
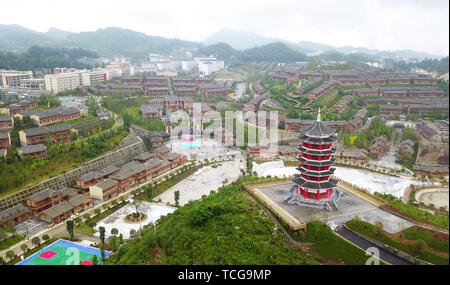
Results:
<point x="223" y="228"/>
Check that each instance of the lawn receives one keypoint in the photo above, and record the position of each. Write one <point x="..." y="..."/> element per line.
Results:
<point x="84" y="228"/>
<point x="414" y="212"/>
<point x="326" y="98"/>
<point x="331" y="248"/>
<point x="10" y="241"/>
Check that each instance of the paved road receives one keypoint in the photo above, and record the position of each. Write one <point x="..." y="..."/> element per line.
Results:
<point x="364" y="244"/>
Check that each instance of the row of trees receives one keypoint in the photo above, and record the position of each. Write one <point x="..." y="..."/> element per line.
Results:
<point x="43" y="57"/>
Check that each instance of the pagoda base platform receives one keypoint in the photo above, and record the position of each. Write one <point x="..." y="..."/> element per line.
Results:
<point x="328" y="204"/>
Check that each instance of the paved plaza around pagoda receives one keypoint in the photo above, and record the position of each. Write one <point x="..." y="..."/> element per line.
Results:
<point x="349" y="207"/>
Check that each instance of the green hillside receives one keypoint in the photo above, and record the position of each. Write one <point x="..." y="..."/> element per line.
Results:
<point x="222" y="228"/>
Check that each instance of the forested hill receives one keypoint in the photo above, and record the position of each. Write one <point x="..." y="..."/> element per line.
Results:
<point x="43" y="57"/>
<point x="116" y="41"/>
<point x="277" y="52"/>
<point x="223" y="228"/>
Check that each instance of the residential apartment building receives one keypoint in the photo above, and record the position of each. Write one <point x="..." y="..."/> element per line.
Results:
<point x="11" y="78"/>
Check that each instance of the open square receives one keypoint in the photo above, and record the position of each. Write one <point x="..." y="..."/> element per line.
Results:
<point x="349" y="207"/>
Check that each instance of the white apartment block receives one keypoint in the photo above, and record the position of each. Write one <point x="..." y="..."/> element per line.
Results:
<point x="63" y="81"/>
<point x="93" y="77"/>
<point x="207" y="67"/>
<point x="11" y="78"/>
<point x="32" y="84"/>
<point x="188" y="65"/>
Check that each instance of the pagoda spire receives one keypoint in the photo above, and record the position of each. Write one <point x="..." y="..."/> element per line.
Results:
<point x="318" y="116"/>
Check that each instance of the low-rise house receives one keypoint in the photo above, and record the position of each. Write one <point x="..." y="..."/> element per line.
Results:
<point x="5" y="140"/>
<point x="92" y="178"/>
<point x="145" y="156"/>
<point x="37" y="151"/>
<point x="6" y="122"/>
<point x="151" y="111"/>
<point x="366" y="92"/>
<point x="14" y="215"/>
<point x="47" y="198"/>
<point x="176" y="159"/>
<point x="426" y="93"/>
<point x="399" y="80"/>
<point x="124" y="179"/>
<point x="406" y="147"/>
<point x="351" y="154"/>
<point x="390" y="110"/>
<point x="105" y="190"/>
<point x="425" y="80"/>
<point x="379" y="146"/>
<point x="59" y="133"/>
<point x="61" y="212"/>
<point x="290" y="152"/>
<point x="162" y="151"/>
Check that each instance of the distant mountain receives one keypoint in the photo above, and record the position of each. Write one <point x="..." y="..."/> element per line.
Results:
<point x="317" y="47"/>
<point x="225" y="44"/>
<point x="244" y="40"/>
<point x="278" y="52"/>
<point x="220" y="50"/>
<point x="16" y="38"/>
<point x="239" y="40"/>
<point x="116" y="41"/>
<point x="57" y="34"/>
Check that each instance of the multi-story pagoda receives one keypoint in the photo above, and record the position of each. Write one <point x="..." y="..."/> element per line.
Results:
<point x="314" y="186"/>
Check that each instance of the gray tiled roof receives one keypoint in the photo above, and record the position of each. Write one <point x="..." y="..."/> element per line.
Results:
<point x="33" y="148"/>
<point x="58" y="210"/>
<point x="12" y="212"/>
<point x="106" y="184"/>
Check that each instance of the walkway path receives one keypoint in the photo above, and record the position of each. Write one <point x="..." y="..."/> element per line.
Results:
<point x="365" y="244"/>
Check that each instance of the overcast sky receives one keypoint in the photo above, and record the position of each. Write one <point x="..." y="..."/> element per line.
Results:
<point x="421" y="25"/>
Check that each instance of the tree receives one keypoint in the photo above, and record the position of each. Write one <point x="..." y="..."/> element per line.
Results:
<point x="114" y="244"/>
<point x="2" y="261"/>
<point x="69" y="227"/>
<point x="379" y="230"/>
<point x="149" y="192"/>
<point x="132" y="232"/>
<point x="10" y="254"/>
<point x="419" y="247"/>
<point x="102" y="234"/>
<point x="36" y="241"/>
<point x="114" y="231"/>
<point x="97" y="211"/>
<point x="24" y="247"/>
<point x="77" y="220"/>
<point x="94" y="260"/>
<point x="102" y="251"/>
<point x="177" y="197"/>
<point x="45" y="238"/>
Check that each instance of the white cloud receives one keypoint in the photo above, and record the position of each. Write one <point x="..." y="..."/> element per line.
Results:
<point x="382" y="24"/>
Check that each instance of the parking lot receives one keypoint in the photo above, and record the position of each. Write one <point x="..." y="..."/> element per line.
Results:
<point x="349" y="207"/>
<point x="203" y="182"/>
